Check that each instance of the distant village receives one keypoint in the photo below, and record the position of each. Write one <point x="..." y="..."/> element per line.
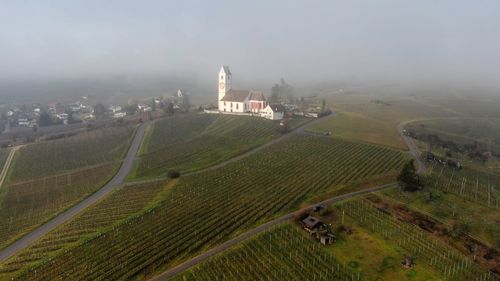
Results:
<point x="30" y="121"/>
<point x="83" y="110"/>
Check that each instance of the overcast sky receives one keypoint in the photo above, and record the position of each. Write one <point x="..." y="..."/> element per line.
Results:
<point x="262" y="40"/>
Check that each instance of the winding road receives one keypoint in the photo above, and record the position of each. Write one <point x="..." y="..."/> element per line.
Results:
<point x="412" y="148"/>
<point x="116" y="181"/>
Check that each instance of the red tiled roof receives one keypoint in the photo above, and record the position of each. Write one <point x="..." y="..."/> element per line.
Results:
<point x="236" y="95"/>
<point x="257" y="95"/>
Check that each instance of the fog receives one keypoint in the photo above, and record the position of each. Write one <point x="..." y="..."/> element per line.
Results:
<point x="430" y="42"/>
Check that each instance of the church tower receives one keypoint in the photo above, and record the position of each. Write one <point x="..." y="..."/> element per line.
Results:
<point x="224" y="81"/>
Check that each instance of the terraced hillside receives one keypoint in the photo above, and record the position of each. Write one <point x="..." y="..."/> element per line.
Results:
<point x="74" y="167"/>
<point x="283" y="253"/>
<point x="103" y="217"/>
<point x="206" y="209"/>
<point x="190" y="143"/>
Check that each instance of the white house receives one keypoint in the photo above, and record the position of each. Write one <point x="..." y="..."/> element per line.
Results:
<point x="237" y="101"/>
<point x="273" y="112"/>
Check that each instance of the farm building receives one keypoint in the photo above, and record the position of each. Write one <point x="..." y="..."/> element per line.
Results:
<point x="273" y="112"/>
<point x="316" y="227"/>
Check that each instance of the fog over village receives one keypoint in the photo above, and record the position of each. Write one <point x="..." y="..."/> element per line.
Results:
<point x="250" y="140"/>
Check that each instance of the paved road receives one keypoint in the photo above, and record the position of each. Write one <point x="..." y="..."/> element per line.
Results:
<point x="412" y="148"/>
<point x="70" y="213"/>
<point x="6" y="166"/>
<point x="263" y="227"/>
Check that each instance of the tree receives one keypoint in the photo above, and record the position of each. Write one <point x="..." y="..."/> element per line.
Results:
<point x="186" y="102"/>
<point x="408" y="178"/>
<point x="173" y="174"/>
<point x="99" y="111"/>
<point x="275" y="93"/>
<point x="44" y="120"/>
<point x="169" y="109"/>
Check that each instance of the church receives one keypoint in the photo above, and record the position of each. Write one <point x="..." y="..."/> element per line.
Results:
<point x="243" y="101"/>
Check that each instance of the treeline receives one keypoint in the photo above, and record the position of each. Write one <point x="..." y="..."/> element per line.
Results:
<point x="474" y="150"/>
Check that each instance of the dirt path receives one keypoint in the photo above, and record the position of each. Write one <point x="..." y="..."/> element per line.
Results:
<point x="412" y="148"/>
<point x="67" y="215"/>
<point x="8" y="162"/>
<point x="261" y="228"/>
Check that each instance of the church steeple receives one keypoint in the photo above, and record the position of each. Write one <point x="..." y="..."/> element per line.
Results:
<point x="224" y="81"/>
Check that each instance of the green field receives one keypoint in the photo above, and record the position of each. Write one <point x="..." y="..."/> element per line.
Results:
<point x="206" y="209"/>
<point x="199" y="141"/>
<point x="63" y="155"/>
<point x="434" y="258"/>
<point x="283" y="253"/>
<point x="94" y="222"/>
<point x="27" y="204"/>
<point x="357" y="126"/>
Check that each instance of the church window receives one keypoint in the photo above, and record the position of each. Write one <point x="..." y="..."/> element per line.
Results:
<point x="224" y="103"/>
<point x="236" y="106"/>
<point x="222" y="77"/>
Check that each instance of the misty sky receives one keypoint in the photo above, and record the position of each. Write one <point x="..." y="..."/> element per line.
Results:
<point x="261" y="40"/>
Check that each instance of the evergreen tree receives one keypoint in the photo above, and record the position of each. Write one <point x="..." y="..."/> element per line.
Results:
<point x="408" y="178"/>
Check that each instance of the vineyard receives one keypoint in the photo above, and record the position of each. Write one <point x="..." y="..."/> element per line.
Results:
<point x="93" y="222"/>
<point x="57" y="156"/>
<point x="282" y="253"/>
<point x="475" y="186"/>
<point x="438" y="255"/>
<point x="27" y="204"/>
<point x="198" y="141"/>
<point x="206" y="209"/>
<point x="458" y="197"/>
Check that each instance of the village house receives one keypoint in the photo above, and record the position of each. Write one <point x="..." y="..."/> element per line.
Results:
<point x="243" y="101"/>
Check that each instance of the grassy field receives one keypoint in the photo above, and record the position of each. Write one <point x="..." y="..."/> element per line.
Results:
<point x="94" y="222"/>
<point x="283" y="253"/>
<point x="63" y="155"/>
<point x="356" y="126"/>
<point x="201" y="141"/>
<point x="25" y="205"/>
<point x="395" y="238"/>
<point x="208" y="208"/>
<point x="373" y="119"/>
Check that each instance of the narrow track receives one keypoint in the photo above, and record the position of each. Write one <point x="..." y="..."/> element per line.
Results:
<point x="8" y="162"/>
<point x="263" y="227"/>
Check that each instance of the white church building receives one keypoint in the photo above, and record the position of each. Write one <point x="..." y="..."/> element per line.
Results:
<point x="243" y="101"/>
